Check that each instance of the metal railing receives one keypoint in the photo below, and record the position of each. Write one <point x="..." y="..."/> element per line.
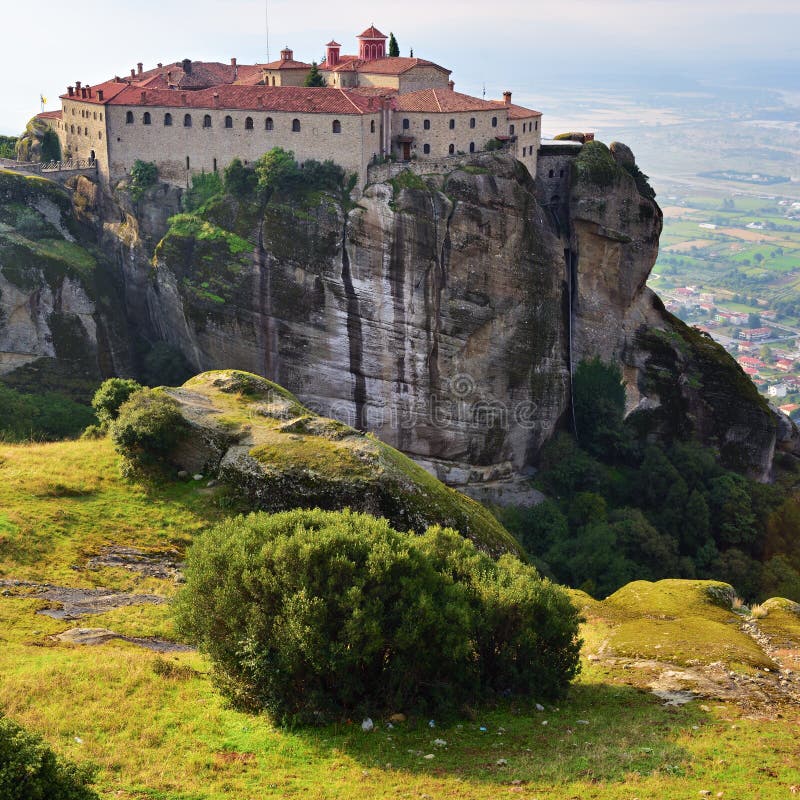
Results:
<point x="70" y="164"/>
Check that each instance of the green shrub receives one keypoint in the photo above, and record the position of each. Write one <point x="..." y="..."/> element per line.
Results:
<point x="51" y="147"/>
<point x="143" y="175"/>
<point x="30" y="770"/>
<point x="204" y="186"/>
<point x="596" y="165"/>
<point x="148" y="426"/>
<point x="111" y="395"/>
<point x="494" y="144"/>
<point x="8" y="146"/>
<point x="309" y="614"/>
<point x="40" y="417"/>
<point x="240" y="181"/>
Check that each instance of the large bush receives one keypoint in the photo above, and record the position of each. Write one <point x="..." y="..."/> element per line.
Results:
<point x="110" y="396"/>
<point x="310" y="614"/>
<point x="30" y="770"/>
<point x="148" y="426"/>
<point x="47" y="416"/>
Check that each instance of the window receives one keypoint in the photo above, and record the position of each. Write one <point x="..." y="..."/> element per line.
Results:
<point x="494" y="122"/>
<point x="426" y="124"/>
<point x="406" y="124"/>
<point x="536" y="125"/>
<point x="207" y="121"/>
<point x="94" y="115"/>
<point x="472" y="147"/>
<point x="72" y="129"/>
<point x="228" y="122"/>
<point x="451" y="149"/>
<point x="296" y="126"/>
<point x="187" y="123"/>
<point x="269" y="124"/>
<point x="187" y="157"/>
<point x="99" y="134"/>
<point x="101" y="116"/>
<point x="85" y="131"/>
<point x="129" y="117"/>
<point x="426" y="148"/>
<point x="560" y="172"/>
<point x="511" y="129"/>
<point x="337" y="126"/>
<point x="248" y="123"/>
<point x="215" y="165"/>
<point x="168" y="119"/>
<point x="146" y="118"/>
<point x="452" y="124"/>
<point x="472" y="122"/>
<point x="550" y="174"/>
<point x="372" y="126"/>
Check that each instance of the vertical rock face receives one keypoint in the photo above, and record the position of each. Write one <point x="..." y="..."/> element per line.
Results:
<point x="443" y="312"/>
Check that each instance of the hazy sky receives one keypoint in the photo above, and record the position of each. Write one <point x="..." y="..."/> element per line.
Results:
<point x="523" y="45"/>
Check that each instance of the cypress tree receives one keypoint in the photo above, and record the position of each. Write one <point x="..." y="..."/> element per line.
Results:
<point x="394" y="49"/>
<point x="314" y="77"/>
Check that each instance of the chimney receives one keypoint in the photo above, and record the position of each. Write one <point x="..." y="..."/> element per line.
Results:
<point x="77" y="84"/>
<point x="589" y="137"/>
<point x="169" y="77"/>
<point x="139" y="67"/>
<point x="187" y="65"/>
<point x="507" y="98"/>
<point x="144" y="97"/>
<point x="83" y="92"/>
<point x="133" y="73"/>
<point x="451" y="85"/>
<point x="233" y="62"/>
<point x="100" y="95"/>
<point x="71" y="91"/>
<point x="89" y="91"/>
<point x="117" y="79"/>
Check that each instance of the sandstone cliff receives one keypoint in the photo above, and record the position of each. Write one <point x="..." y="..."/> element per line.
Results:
<point x="443" y="311"/>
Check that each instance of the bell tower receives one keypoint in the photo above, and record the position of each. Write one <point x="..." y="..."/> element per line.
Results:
<point x="371" y="44"/>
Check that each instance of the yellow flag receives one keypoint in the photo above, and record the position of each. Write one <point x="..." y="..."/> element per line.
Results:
<point x="43" y="99"/>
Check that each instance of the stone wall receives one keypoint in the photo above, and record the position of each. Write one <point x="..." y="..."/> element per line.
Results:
<point x="83" y="132"/>
<point x="191" y="150"/>
<point x="553" y="172"/>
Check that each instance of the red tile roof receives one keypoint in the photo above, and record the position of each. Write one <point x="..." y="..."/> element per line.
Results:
<point x="109" y="88"/>
<point x="382" y="66"/>
<point x="520" y="112"/>
<point x="442" y="100"/>
<point x="49" y="115"/>
<point x="287" y="64"/>
<point x="333" y="43"/>
<point x="371" y="33"/>
<point x="254" y="98"/>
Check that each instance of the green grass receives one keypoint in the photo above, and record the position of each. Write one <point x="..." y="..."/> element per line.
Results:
<point x="156" y="727"/>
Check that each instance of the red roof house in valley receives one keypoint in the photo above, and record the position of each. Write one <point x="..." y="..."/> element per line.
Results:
<point x="191" y="116"/>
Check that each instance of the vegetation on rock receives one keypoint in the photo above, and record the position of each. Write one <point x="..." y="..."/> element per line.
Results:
<point x="312" y="614"/>
<point x="143" y="175"/>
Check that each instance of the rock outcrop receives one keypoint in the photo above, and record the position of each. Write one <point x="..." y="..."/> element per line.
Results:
<point x="443" y="311"/>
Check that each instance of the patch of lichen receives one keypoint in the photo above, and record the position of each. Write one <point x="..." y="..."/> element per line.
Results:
<point x="680" y="621"/>
<point x="781" y="622"/>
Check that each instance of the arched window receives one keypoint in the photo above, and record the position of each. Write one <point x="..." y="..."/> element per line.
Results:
<point x="494" y="122"/>
<point x="146" y="118"/>
<point x="372" y="126"/>
<point x="273" y="80"/>
<point x="452" y="124"/>
<point x="426" y="123"/>
<point x="94" y="115"/>
<point x="207" y="121"/>
<point x="269" y="124"/>
<point x="472" y="147"/>
<point x="406" y="124"/>
<point x="426" y="148"/>
<point x="337" y="126"/>
<point x="296" y="126"/>
<point x="72" y="129"/>
<point x="187" y="123"/>
<point x="472" y="122"/>
<point x="511" y="129"/>
<point x="129" y="117"/>
<point x="248" y="123"/>
<point x="168" y="120"/>
<point x="228" y="121"/>
<point x="451" y="149"/>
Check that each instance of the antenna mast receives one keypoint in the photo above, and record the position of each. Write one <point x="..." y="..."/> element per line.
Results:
<point x="266" y="25"/>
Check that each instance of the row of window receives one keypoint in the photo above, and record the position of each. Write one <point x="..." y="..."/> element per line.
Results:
<point x="85" y="114"/>
<point x="85" y="131"/>
<point x="426" y="123"/>
<point x="528" y="127"/>
<point x="269" y="124"/>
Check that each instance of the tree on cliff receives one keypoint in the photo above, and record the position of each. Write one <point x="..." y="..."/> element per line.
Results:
<point x="394" y="48"/>
<point x="275" y="169"/>
<point x="314" y="77"/>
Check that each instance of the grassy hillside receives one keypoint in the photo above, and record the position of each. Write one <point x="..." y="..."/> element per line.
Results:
<point x="156" y="728"/>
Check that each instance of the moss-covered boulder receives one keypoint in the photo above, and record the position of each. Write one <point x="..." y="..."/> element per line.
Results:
<point x="276" y="454"/>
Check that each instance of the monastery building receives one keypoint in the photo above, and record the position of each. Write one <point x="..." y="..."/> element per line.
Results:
<point x="190" y="117"/>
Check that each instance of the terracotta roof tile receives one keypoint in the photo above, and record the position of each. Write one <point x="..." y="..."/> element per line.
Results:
<point x="254" y="98"/>
<point x="333" y="43"/>
<point x="49" y="115"/>
<point x="110" y="89"/>
<point x="517" y="112"/>
<point x="371" y="33"/>
<point x="287" y="64"/>
<point x="382" y="66"/>
<point x="434" y="100"/>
